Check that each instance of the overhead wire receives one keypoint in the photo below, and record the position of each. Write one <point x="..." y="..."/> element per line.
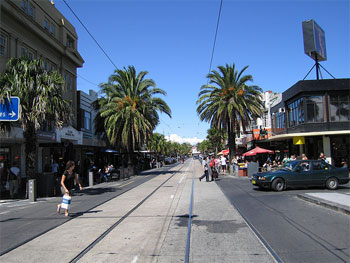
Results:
<point x="104" y="52"/>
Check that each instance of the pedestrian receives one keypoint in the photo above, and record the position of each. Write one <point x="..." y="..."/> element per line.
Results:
<point x="223" y="164"/>
<point x="205" y="169"/>
<point x="14" y="179"/>
<point x="213" y="169"/>
<point x="323" y="157"/>
<point x="303" y="156"/>
<point x="54" y="170"/>
<point x="67" y="183"/>
<point x="343" y="163"/>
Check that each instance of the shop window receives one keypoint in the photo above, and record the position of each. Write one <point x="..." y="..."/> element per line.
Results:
<point x="3" y="44"/>
<point x="314" y="109"/>
<point x="340" y="107"/>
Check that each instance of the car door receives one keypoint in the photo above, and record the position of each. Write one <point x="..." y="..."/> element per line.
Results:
<point x="300" y="176"/>
<point x="320" y="173"/>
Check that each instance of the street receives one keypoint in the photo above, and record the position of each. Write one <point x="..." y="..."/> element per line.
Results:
<point x="145" y="218"/>
<point x="298" y="231"/>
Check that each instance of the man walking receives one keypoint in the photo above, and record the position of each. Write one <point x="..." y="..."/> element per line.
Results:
<point x="205" y="168"/>
<point x="14" y="180"/>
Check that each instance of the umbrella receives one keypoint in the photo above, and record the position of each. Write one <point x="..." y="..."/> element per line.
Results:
<point x="257" y="150"/>
<point x="224" y="152"/>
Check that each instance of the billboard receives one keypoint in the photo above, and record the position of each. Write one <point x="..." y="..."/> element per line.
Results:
<point x="314" y="40"/>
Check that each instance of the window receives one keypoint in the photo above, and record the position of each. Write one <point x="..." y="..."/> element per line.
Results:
<point x="70" y="42"/>
<point x="87" y="120"/>
<point x="31" y="10"/>
<point x="23" y="52"/>
<point x="46" y="24"/>
<point x="296" y="112"/>
<point x="30" y="56"/>
<point x="319" y="166"/>
<point x="3" y="43"/>
<point x="314" y="109"/>
<point x="69" y="80"/>
<point x="280" y="124"/>
<point x="52" y="29"/>
<point x="340" y="107"/>
<point x="24" y="5"/>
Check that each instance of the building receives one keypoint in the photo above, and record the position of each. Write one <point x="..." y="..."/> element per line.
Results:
<point x="36" y="29"/>
<point x="313" y="117"/>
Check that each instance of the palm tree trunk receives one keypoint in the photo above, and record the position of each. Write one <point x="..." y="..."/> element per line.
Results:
<point x="231" y="142"/>
<point x="30" y="149"/>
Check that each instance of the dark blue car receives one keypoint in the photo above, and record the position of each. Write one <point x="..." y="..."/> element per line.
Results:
<point x="302" y="174"/>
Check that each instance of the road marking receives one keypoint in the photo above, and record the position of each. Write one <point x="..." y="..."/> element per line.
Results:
<point x="126" y="184"/>
<point x="172" y="196"/>
<point x="181" y="179"/>
<point x="134" y="260"/>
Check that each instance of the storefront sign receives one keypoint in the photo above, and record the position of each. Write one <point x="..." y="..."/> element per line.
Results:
<point x="69" y="133"/>
<point x="49" y="136"/>
<point x="297" y="140"/>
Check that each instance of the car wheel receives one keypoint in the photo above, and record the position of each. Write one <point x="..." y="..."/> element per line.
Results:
<point x="332" y="183"/>
<point x="277" y="185"/>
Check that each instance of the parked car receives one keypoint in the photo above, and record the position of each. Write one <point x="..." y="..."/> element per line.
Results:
<point x="302" y="174"/>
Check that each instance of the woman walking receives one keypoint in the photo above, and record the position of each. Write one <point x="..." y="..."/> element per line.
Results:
<point x="67" y="183"/>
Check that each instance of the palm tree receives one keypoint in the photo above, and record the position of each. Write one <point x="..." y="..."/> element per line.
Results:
<point x="216" y="138"/>
<point x="129" y="109"/>
<point x="41" y="100"/>
<point x="228" y="103"/>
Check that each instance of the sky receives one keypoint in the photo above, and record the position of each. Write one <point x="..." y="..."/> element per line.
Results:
<point x="173" y="40"/>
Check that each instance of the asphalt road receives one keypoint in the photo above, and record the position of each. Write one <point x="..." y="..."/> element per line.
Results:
<point x="297" y="231"/>
<point x="22" y="220"/>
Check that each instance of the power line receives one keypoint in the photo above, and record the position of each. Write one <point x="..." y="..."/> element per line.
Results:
<point x="88" y="80"/>
<point x="216" y="33"/>
<point x="90" y="34"/>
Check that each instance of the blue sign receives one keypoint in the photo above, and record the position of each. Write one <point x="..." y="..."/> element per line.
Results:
<point x="9" y="109"/>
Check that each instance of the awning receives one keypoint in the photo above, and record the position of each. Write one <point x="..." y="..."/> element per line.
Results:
<point x="306" y="134"/>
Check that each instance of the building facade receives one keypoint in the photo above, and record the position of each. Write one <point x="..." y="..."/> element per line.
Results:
<point x="37" y="30"/>
<point x="314" y="117"/>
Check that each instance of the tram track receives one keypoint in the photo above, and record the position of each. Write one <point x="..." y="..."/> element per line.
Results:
<point x="125" y="216"/>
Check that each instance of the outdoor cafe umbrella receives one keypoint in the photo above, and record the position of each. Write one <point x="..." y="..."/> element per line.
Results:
<point x="257" y="150"/>
<point x="224" y="152"/>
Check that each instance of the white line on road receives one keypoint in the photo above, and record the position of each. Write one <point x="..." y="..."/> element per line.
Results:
<point x="172" y="196"/>
<point x="134" y="260"/>
<point x="181" y="179"/>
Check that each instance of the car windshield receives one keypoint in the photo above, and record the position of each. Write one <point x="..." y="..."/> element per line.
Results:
<point x="289" y="165"/>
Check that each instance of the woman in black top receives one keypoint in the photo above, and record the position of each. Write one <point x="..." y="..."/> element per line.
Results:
<point x="67" y="182"/>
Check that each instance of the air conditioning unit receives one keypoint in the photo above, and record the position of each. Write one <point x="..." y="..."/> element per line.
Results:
<point x="281" y="110"/>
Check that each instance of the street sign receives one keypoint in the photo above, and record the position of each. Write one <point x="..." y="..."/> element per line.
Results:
<point x="9" y="110"/>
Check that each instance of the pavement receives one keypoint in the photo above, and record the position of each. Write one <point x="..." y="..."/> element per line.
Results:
<point x="219" y="233"/>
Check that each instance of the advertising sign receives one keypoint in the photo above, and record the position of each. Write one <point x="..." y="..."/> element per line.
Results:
<point x="314" y="40"/>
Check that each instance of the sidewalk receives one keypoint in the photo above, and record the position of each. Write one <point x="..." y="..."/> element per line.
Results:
<point x="336" y="201"/>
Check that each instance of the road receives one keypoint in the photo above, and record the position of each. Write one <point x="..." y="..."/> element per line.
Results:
<point x="294" y="230"/>
<point x="297" y="231"/>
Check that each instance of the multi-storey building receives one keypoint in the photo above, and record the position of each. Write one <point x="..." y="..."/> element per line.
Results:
<point x="36" y="29"/>
<point x="314" y="117"/>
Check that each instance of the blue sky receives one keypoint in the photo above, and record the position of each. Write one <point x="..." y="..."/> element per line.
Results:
<point x="173" y="40"/>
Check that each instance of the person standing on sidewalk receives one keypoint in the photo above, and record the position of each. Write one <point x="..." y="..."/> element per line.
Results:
<point x="223" y="164"/>
<point x="67" y="183"/>
<point x="14" y="179"/>
<point x="205" y="168"/>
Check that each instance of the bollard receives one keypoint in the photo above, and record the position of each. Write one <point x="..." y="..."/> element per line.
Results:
<point x="91" y="178"/>
<point x="32" y="190"/>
